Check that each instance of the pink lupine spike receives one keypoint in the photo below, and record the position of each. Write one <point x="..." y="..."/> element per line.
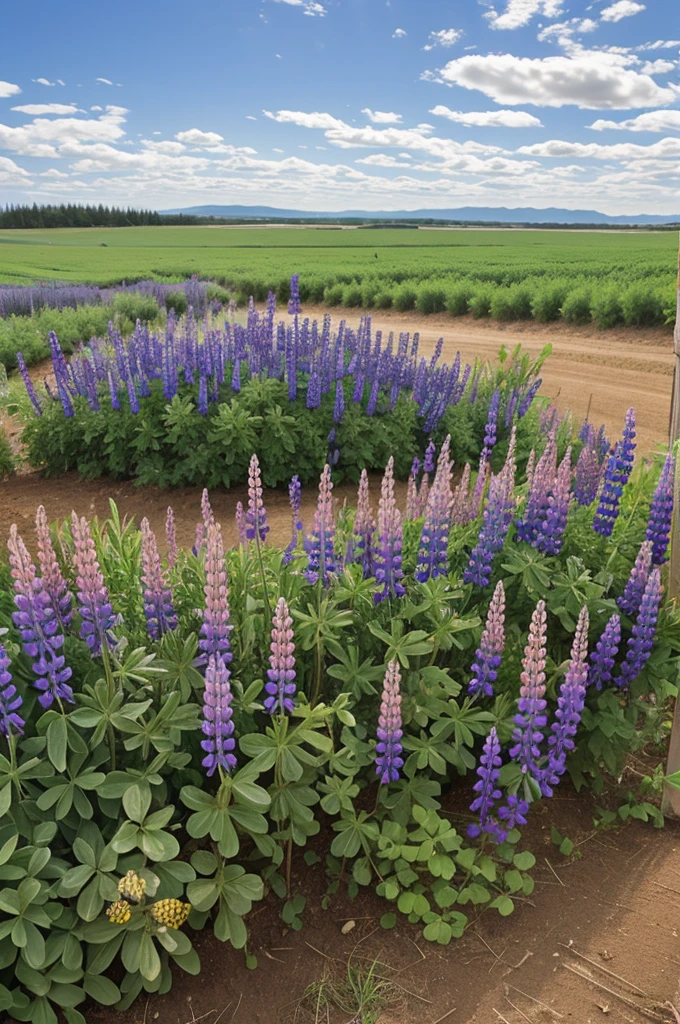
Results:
<point x="171" y="537"/>
<point x="531" y="719"/>
<point x="460" y="510"/>
<point x="158" y="609"/>
<point x="241" y="524"/>
<point x="216" y="626"/>
<point x="94" y="605"/>
<point x="53" y="581"/>
<point x="388" y="571"/>
<point x="281" y="672"/>
<point x="256" y="516"/>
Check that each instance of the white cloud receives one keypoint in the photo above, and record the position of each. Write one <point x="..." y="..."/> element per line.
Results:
<point x="278" y="55"/>
<point x="278" y="151"/>
<point x="43" y="81"/>
<point x="399" y="33"/>
<point x="657" y="67"/>
<point x="7" y="89"/>
<point x="53" y="173"/>
<point x="590" y="79"/>
<point x="652" y="121"/>
<point x="621" y="9"/>
<point x="445" y="37"/>
<point x="249" y="117"/>
<point x="308" y="6"/>
<point x="489" y="118"/>
<point x="518" y="13"/>
<point x="382" y="160"/>
<point x="169" y="148"/>
<point x="43" y="138"/>
<point x="11" y="173"/>
<point x="60" y="82"/>
<point x="663" y="149"/>
<point x="35" y="109"/>
<point x="659" y="44"/>
<point x="195" y="137"/>
<point x="312" y="120"/>
<point x="96" y="108"/>
<point x="381" y="116"/>
<point x="104" y="81"/>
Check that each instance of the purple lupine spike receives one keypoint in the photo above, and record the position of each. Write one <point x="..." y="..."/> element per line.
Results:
<point x="526" y="402"/>
<point x="496" y="520"/>
<point x="37" y="622"/>
<point x="531" y="466"/>
<point x="171" y="537"/>
<point x="491" y="426"/>
<point x="363" y="530"/>
<point x="216" y="627"/>
<point x="218" y="727"/>
<point x="61" y="375"/>
<point x="412" y="499"/>
<point x="588" y="476"/>
<point x="236" y="375"/>
<point x="387" y="564"/>
<point x="603" y="657"/>
<point x="617" y="473"/>
<point x="542" y="481"/>
<point x="294" y="496"/>
<point x="551" y="526"/>
<point x="53" y="580"/>
<point x="488" y="654"/>
<point x="587" y="433"/>
<point x="641" y="642"/>
<point x="661" y="512"/>
<point x="206" y="509"/>
<point x="488" y="791"/>
<point x="28" y="384"/>
<point x="158" y="609"/>
<point x="241" y="524"/>
<point x="94" y="605"/>
<point x="294" y="308"/>
<point x="514" y="812"/>
<point x="339" y="409"/>
<point x="314" y="391"/>
<point x="531" y="719"/>
<point x="281" y="672"/>
<point x="433" y="559"/>
<point x="629" y="602"/>
<point x="461" y="511"/>
<point x="10" y="701"/>
<point x="569" y="707"/>
<point x="388" y="749"/>
<point x="429" y="463"/>
<point x="319" y="544"/>
<point x="256" y="516"/>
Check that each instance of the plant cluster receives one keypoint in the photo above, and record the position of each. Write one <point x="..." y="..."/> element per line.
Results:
<point x="175" y="729"/>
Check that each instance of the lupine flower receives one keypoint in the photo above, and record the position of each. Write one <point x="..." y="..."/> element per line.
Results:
<point x="551" y="526"/>
<point x="363" y="529"/>
<point x="241" y="524"/>
<point x="171" y="538"/>
<point x="661" y="512"/>
<point x="542" y="482"/>
<point x="339" y="409"/>
<point x="215" y="629"/>
<point x="94" y="605"/>
<point x="460" y="509"/>
<point x="433" y="558"/>
<point x="496" y="520"/>
<point x="569" y="707"/>
<point x="218" y="727"/>
<point x="641" y="642"/>
<point x="28" y="384"/>
<point x="603" y="657"/>
<point x="588" y="475"/>
<point x="619" y="467"/>
<point x="314" y="391"/>
<point x="52" y="579"/>
<point x="488" y="791"/>
<point x="170" y="912"/>
<point x="491" y="426"/>
<point x="531" y="466"/>
<point x="294" y="496"/>
<point x="428" y="470"/>
<point x="514" y="812"/>
<point x="387" y="562"/>
<point x="531" y="719"/>
<point x="412" y="500"/>
<point x="10" y="700"/>
<point x="256" y="516"/>
<point x="158" y="609"/>
<point x="294" y="307"/>
<point x="131" y="886"/>
<point x="319" y="544"/>
<point x="281" y="672"/>
<point x="37" y="622"/>
<point x="525" y="404"/>
<point x="206" y="509"/>
<point x="388" y="749"/>
<point x="119" y="912"/>
<point x="629" y="602"/>
<point x="488" y="654"/>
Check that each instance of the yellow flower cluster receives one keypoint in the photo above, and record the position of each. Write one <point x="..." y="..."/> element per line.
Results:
<point x="171" y="913"/>
<point x="119" y="912"/>
<point x="132" y="886"/>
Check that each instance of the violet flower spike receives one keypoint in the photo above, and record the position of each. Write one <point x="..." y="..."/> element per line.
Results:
<point x="434" y="539"/>
<point x="320" y="543"/>
<point x="280" y="686"/>
<point x="53" y="580"/>
<point x="241" y="524"/>
<point x="388" y="571"/>
<point x="661" y="512"/>
<point x="218" y="727"/>
<point x="256" y="516"/>
<point x="488" y="791"/>
<point x="569" y="707"/>
<point x="363" y="530"/>
<point x="488" y="654"/>
<point x="158" y="609"/>
<point x="94" y="605"/>
<point x="641" y="642"/>
<point x="294" y="496"/>
<point x="602" y="658"/>
<point x="531" y="719"/>
<point x="617" y="473"/>
<point x="216" y="627"/>
<point x="388" y="748"/>
<point x="10" y="701"/>
<point x="630" y="600"/>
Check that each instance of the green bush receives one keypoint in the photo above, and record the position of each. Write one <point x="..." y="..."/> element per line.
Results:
<point x="333" y="296"/>
<point x="458" y="298"/>
<point x="404" y="298"/>
<point x="215" y="293"/>
<point x="7" y="460"/>
<point x="513" y="303"/>
<point x="480" y="301"/>
<point x="642" y="306"/>
<point x="128" y="307"/>
<point x="547" y="302"/>
<point x="605" y="306"/>
<point x="352" y="295"/>
<point x="177" y="301"/>
<point x="383" y="300"/>
<point x="29" y="334"/>
<point x="431" y="298"/>
<point x="576" y="306"/>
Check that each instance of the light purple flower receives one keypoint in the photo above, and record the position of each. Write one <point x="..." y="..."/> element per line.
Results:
<point x="171" y="538"/>
<point x="387" y="563"/>
<point x="10" y="700"/>
<point x="388" y="749"/>
<point x="488" y="791"/>
<point x="319" y="544"/>
<point x="256" y="516"/>
<point x="215" y="628"/>
<point x="641" y="642"/>
<point x="94" y="605"/>
<point x="158" y="609"/>
<point x="218" y="727"/>
<point x="52" y="578"/>
<point x="629" y="602"/>
<point x="531" y="719"/>
<point x="490" y="650"/>
<point x="569" y="707"/>
<point x="280" y="683"/>
<point x="603" y="657"/>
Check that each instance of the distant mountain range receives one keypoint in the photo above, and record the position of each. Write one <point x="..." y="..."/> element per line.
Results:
<point x="502" y="214"/>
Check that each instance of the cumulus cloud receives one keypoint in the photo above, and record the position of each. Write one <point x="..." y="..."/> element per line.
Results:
<point x="399" y="33"/>
<point x="36" y="109"/>
<point x="53" y="173"/>
<point x="382" y="160"/>
<point x="652" y="121"/>
<point x="43" y="138"/>
<point x="590" y="79"/>
<point x="621" y="9"/>
<point x="518" y="13"/>
<point x="489" y="118"/>
<point x="195" y="137"/>
<point x="43" y="81"/>
<point x="12" y="174"/>
<point x="659" y="44"/>
<point x="298" y="117"/>
<point x="663" y="149"/>
<point x="381" y="116"/>
<point x="7" y="89"/>
<point x="657" y="67"/>
<point x="445" y="37"/>
<point x="104" y="81"/>
<point x="308" y="7"/>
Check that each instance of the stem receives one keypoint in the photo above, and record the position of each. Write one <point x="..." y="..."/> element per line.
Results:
<point x="265" y="592"/>
<point x="318" y="659"/>
<point x="289" y="864"/>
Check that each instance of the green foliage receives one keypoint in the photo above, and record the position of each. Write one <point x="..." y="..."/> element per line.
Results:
<point x="7" y="459"/>
<point x="177" y="301"/>
<point x="128" y="307"/>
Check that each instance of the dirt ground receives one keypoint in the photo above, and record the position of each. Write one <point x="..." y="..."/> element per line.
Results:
<point x="599" y="938"/>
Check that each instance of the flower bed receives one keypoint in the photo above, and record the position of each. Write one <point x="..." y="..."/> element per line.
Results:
<point x="175" y="729"/>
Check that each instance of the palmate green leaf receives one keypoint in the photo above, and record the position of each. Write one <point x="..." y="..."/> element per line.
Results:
<point x="57" y="742"/>
<point x="149" y="960"/>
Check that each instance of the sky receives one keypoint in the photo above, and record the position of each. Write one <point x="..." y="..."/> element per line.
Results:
<point x="328" y="105"/>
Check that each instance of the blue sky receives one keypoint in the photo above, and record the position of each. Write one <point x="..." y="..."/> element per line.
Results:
<point x="343" y="104"/>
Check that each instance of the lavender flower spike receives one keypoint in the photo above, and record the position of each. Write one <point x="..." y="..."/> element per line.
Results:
<point x="434" y="539"/>
<point x="218" y="727"/>
<point x="619" y="467"/>
<point x="388" y="749"/>
<point x="661" y="512"/>
<point x="319" y="545"/>
<point x="491" y="426"/>
<point x="256" y="516"/>
<point x="603" y="657"/>
<point x="94" y="605"/>
<point x="171" y="538"/>
<point x="241" y="524"/>
<point x="642" y="640"/>
<point x="158" y="609"/>
<point x="294" y="496"/>
<point x="52" y="578"/>
<point x="281" y="672"/>
<point x="487" y="790"/>
<point x="363" y="530"/>
<point x="412" y="497"/>
<point x="388" y="570"/>
<point x="294" y="301"/>
<point x="10" y="700"/>
<point x="216" y="627"/>
<point x="569" y="707"/>
<point x="629" y="602"/>
<point x="488" y="654"/>
<point x="531" y="719"/>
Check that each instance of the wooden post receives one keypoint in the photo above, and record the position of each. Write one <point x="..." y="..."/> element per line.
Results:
<point x="670" y="804"/>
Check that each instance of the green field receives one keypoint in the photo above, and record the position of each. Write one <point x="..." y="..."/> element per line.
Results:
<point x="540" y="273"/>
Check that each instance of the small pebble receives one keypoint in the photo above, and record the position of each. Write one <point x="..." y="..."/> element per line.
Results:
<point x="347" y="927"/>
